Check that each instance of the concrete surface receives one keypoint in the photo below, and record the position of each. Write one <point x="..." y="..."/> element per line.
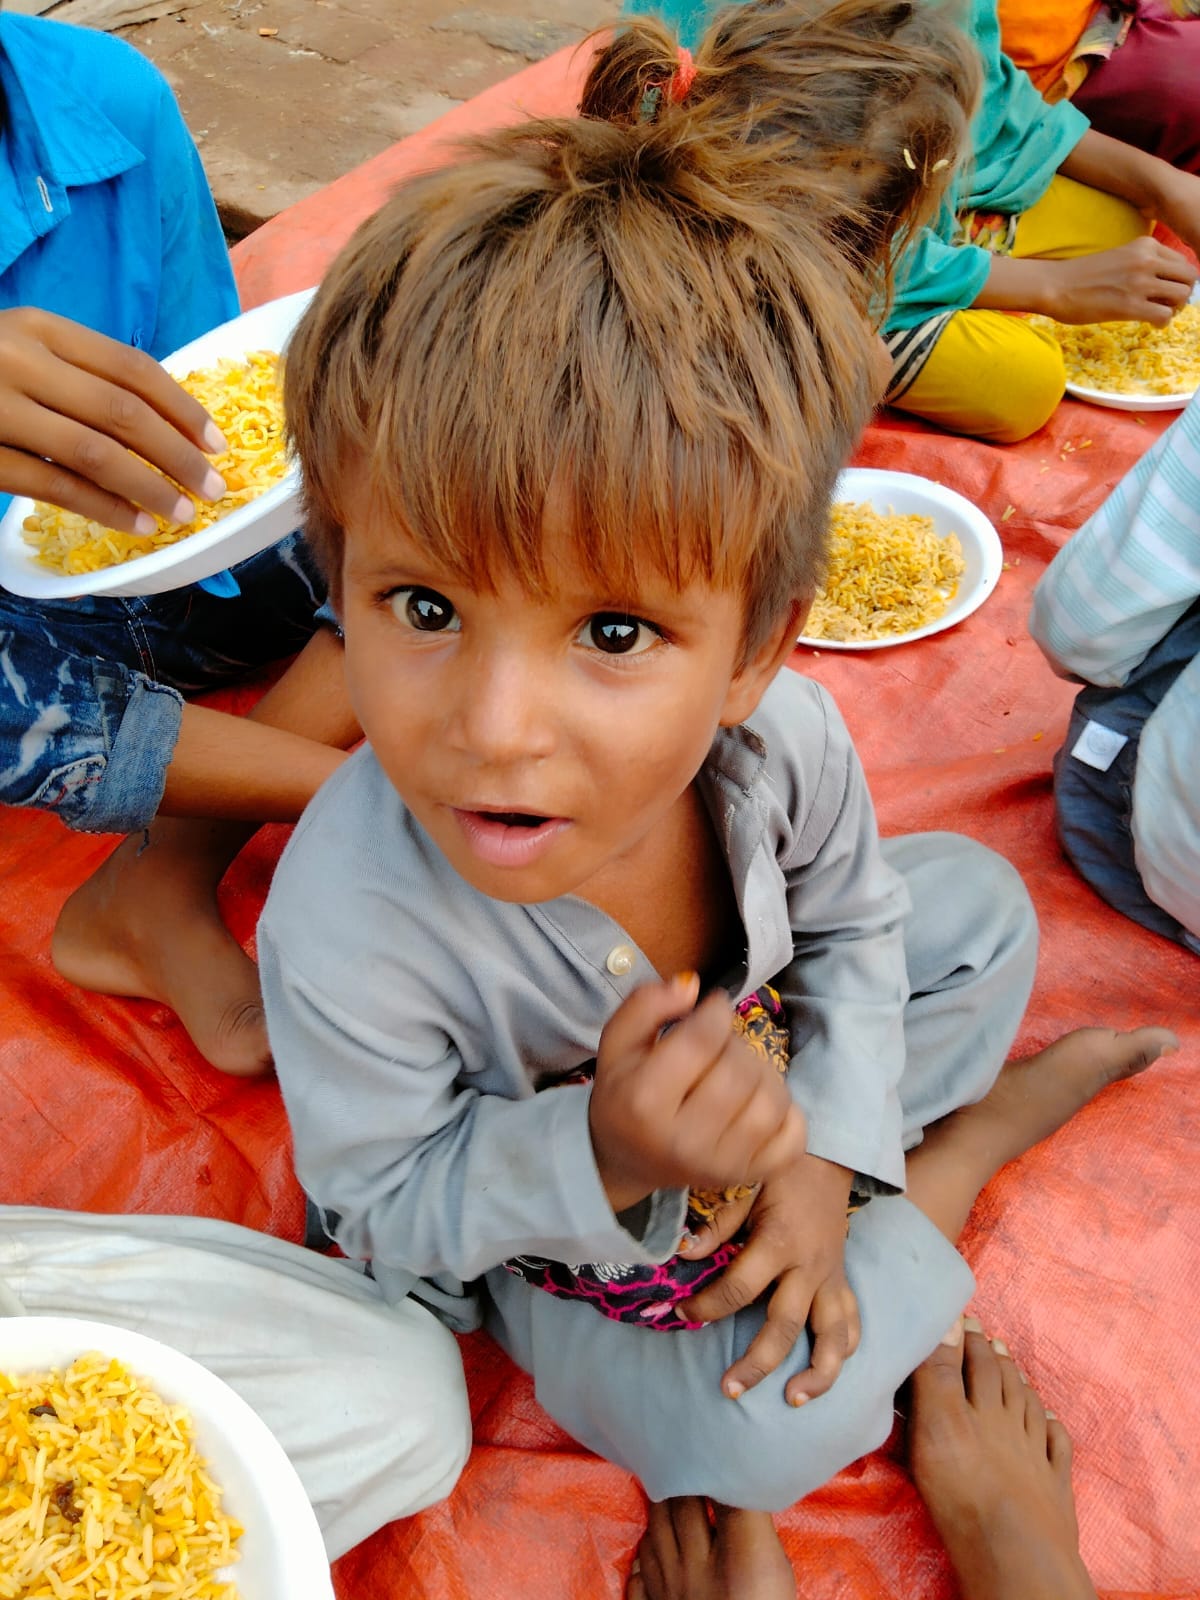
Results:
<point x="283" y="96"/>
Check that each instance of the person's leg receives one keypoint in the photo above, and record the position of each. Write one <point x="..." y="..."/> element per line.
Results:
<point x="993" y="375"/>
<point x="368" y="1400"/>
<point x="1072" y="220"/>
<point x="652" y="1401"/>
<point x="994" y="1469"/>
<point x="694" y="1551"/>
<point x="971" y="949"/>
<point x="991" y="1464"/>
<point x="970" y="944"/>
<point x="989" y="375"/>
<point x="1146" y="92"/>
<point x="147" y="923"/>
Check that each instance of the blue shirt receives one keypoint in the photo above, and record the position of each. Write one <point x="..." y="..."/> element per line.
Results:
<point x="105" y="213"/>
<point x="1018" y="144"/>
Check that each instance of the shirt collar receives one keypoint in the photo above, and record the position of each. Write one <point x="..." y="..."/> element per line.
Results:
<point x="738" y="756"/>
<point x="73" y="139"/>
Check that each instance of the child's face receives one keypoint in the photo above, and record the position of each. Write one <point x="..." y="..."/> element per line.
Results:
<point x="542" y="743"/>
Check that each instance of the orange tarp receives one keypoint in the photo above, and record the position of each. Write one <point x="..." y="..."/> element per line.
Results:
<point x="1087" y="1251"/>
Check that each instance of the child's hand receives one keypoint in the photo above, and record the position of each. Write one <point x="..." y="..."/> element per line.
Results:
<point x="77" y="409"/>
<point x="1177" y="203"/>
<point x="797" y="1242"/>
<point x="694" y="1108"/>
<point x="1144" y="281"/>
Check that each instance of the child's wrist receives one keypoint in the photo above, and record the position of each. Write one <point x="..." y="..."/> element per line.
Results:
<point x="622" y="1189"/>
<point x="1045" y="296"/>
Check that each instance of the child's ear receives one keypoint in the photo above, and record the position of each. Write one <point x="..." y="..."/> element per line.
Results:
<point x="752" y="678"/>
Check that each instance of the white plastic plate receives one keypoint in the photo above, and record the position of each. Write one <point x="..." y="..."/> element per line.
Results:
<point x="905" y="493"/>
<point x="1117" y="401"/>
<point x="235" y="537"/>
<point x="282" y="1553"/>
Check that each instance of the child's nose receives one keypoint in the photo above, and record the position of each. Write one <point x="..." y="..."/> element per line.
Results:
<point x="505" y="713"/>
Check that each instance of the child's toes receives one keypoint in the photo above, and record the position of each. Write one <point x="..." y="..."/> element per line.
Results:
<point x="1058" y="1445"/>
<point x="981" y="1369"/>
<point x="1035" y="1418"/>
<point x="1012" y="1385"/>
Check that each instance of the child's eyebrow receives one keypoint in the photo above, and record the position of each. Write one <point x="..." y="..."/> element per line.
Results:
<point x="413" y="568"/>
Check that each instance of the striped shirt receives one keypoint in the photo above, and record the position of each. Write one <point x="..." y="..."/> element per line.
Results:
<point x="1108" y="597"/>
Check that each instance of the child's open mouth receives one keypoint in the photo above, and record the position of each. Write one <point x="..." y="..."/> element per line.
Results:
<point x="509" y="838"/>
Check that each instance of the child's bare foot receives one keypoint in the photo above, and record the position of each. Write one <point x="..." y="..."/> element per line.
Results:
<point x="994" y="1469"/>
<point x="147" y="924"/>
<point x="1029" y="1101"/>
<point x="686" y="1555"/>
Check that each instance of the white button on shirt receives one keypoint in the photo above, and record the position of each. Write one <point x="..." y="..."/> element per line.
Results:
<point x="622" y="959"/>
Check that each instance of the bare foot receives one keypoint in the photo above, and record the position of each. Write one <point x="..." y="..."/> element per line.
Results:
<point x="994" y="1470"/>
<point x="147" y="924"/>
<point x="1029" y="1101"/>
<point x="688" y="1555"/>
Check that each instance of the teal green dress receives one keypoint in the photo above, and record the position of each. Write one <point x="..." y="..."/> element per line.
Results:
<point x="1019" y="144"/>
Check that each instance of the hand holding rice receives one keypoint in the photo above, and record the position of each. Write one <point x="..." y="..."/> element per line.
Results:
<point x="102" y="1493"/>
<point x="886" y="576"/>
<point x="244" y="397"/>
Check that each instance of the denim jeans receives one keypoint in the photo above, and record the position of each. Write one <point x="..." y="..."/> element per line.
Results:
<point x="91" y="690"/>
<point x="1094" y="809"/>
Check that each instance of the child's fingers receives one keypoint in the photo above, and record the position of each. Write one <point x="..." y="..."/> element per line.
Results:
<point x="635" y="1025"/>
<point x="684" y="1057"/>
<point x="835" y="1328"/>
<point x="132" y="371"/>
<point x="29" y="475"/>
<point x="102" y="432"/>
<point x="787" y="1314"/>
<point x="738" y="1106"/>
<point x="696" y="1246"/>
<point x="731" y="1108"/>
<point x="784" y="1149"/>
<point x="741" y="1283"/>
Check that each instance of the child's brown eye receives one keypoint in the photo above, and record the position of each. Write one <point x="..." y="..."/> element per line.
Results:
<point x="425" y="610"/>
<point x="616" y="634"/>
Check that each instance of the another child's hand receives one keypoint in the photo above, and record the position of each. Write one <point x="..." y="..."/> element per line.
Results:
<point x="696" y="1107"/>
<point x="797" y="1242"/>
<point x="1144" y="281"/>
<point x="78" y="409"/>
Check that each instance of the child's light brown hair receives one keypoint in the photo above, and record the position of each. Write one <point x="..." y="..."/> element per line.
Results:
<point x="663" y="309"/>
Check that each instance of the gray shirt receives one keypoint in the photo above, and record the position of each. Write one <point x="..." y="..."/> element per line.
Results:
<point x="413" y="1020"/>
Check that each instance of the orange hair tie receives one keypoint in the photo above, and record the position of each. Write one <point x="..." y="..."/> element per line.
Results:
<point x="685" y="76"/>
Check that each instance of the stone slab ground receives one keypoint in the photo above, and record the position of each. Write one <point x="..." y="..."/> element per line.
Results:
<point x="284" y="96"/>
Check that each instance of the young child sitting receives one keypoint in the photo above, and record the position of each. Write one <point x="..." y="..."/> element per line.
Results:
<point x="570" y="416"/>
<point x="1119" y="608"/>
<point x="1047" y="216"/>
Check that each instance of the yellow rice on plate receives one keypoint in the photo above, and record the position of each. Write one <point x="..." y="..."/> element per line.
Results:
<point x="1132" y="357"/>
<point x="102" y="1494"/>
<point x="244" y="397"/>
<point x="887" y="575"/>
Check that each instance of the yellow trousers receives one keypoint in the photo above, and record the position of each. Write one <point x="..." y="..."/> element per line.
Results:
<point x="991" y="374"/>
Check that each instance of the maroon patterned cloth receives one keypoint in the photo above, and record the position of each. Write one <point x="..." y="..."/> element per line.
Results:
<point x="1148" y="91"/>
